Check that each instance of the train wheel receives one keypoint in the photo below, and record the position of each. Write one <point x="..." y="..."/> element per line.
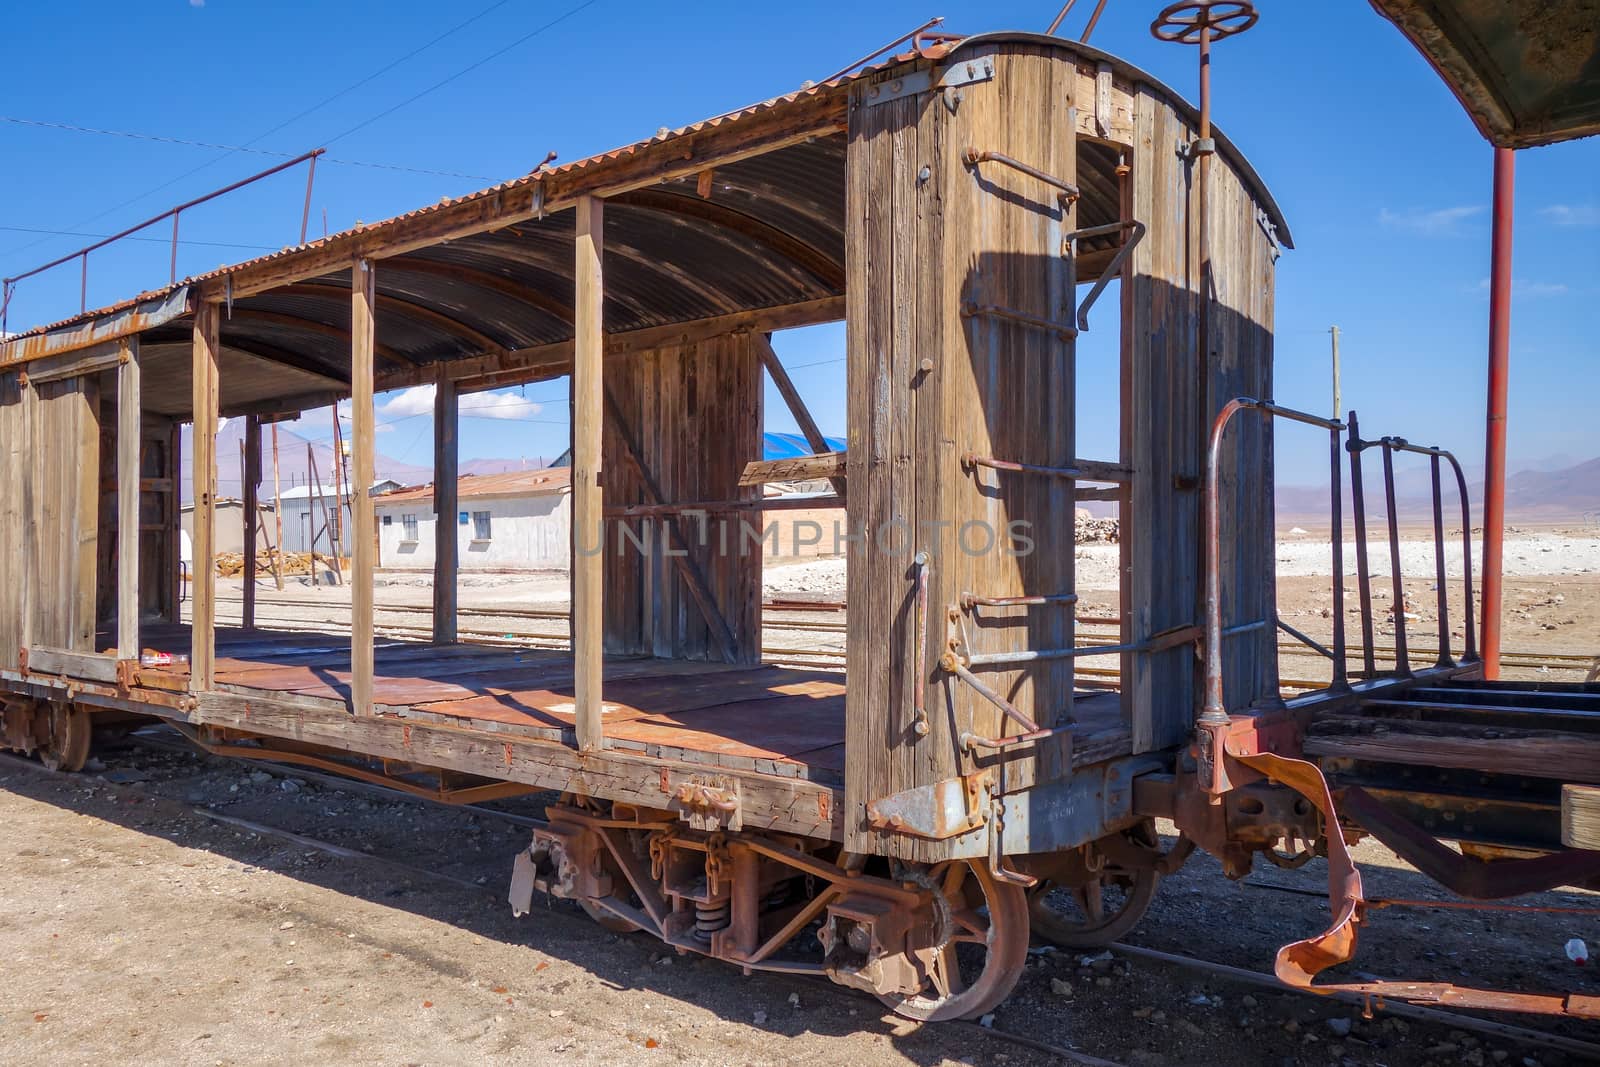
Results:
<point x="980" y="944"/>
<point x="70" y="734"/>
<point x="1105" y="907"/>
<point x="1095" y="914"/>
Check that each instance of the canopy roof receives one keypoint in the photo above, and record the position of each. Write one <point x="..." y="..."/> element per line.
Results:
<point x="1527" y="71"/>
<point x="734" y="222"/>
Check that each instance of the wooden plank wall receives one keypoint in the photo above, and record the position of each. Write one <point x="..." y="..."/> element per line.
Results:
<point x="1241" y="278"/>
<point x="919" y="247"/>
<point x="1173" y="398"/>
<point x="1163" y="433"/>
<point x="158" y="518"/>
<point x="695" y="411"/>
<point x="61" y="541"/>
<point x="15" y="495"/>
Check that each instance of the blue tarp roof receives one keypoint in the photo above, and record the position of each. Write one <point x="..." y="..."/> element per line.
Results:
<point x="790" y="445"/>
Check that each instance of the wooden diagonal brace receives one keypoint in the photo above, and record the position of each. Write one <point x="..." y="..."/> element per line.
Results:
<point x="693" y="577"/>
<point x="791" y="396"/>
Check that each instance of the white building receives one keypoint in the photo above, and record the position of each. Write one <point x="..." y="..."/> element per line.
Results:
<point x="305" y="510"/>
<point x="520" y="520"/>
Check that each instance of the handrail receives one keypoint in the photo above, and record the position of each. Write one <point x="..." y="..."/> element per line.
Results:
<point x="1214" y="709"/>
<point x="9" y="284"/>
<point x="1435" y="454"/>
<point x="1214" y="712"/>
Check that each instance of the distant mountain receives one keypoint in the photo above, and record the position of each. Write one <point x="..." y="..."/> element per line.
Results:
<point x="293" y="467"/>
<point x="504" y="466"/>
<point x="1556" y="494"/>
<point x="1568" y="493"/>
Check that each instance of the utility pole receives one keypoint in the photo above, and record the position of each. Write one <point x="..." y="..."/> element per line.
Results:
<point x="1337" y="408"/>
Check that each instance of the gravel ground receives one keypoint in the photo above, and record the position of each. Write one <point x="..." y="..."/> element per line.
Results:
<point x="137" y="930"/>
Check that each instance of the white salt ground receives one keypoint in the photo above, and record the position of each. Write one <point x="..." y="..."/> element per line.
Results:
<point x="1544" y="556"/>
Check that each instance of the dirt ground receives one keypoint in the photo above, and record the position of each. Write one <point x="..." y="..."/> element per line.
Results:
<point x="136" y="929"/>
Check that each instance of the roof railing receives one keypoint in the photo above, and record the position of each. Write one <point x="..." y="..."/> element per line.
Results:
<point x="173" y="213"/>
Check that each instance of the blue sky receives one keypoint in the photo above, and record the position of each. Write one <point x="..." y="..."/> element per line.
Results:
<point x="1383" y="179"/>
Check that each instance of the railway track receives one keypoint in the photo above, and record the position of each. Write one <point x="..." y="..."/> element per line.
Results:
<point x="1574" y="662"/>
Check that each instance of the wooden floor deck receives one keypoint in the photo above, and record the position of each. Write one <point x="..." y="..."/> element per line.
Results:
<point x="769" y="719"/>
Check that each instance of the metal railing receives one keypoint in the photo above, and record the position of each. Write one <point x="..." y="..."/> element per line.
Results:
<point x="8" y="285"/>
<point x="1214" y="709"/>
<point x="1391" y="445"/>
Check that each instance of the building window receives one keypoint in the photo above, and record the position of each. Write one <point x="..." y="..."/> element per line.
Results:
<point x="408" y="524"/>
<point x="480" y="526"/>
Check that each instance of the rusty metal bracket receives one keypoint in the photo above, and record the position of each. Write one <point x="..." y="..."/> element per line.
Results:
<point x="1297" y="964"/>
<point x="939" y="811"/>
<point x="997" y="833"/>
<point x="1471" y="878"/>
<point x="1069" y="249"/>
<point x="709" y="802"/>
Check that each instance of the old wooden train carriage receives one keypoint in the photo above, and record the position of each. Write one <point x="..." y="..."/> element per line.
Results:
<point x="962" y="207"/>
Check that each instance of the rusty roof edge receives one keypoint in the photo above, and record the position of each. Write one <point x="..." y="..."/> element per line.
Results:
<point x="1137" y="74"/>
<point x="539" y="481"/>
<point x="143" y="312"/>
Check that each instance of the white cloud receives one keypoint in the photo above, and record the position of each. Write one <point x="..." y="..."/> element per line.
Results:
<point x="197" y="3"/>
<point x="1572" y="214"/>
<point x="498" y="406"/>
<point x="1443" y="222"/>
<point x="417" y="400"/>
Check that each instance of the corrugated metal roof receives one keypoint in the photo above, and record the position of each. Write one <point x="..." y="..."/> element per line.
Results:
<point x="539" y="482"/>
<point x="771" y="234"/>
<point x="792" y="445"/>
<point x="1528" y="73"/>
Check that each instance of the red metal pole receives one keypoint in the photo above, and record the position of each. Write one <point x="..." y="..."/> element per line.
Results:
<point x="1494" y="448"/>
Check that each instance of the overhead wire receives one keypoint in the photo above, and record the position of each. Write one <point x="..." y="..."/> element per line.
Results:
<point x="156" y="240"/>
<point x="525" y="38"/>
<point x="335" y="96"/>
<point x="163" y="139"/>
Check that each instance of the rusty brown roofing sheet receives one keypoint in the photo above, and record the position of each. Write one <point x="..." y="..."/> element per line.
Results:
<point x="508" y="483"/>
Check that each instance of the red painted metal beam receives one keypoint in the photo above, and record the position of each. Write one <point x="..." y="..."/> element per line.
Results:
<point x="1494" y="448"/>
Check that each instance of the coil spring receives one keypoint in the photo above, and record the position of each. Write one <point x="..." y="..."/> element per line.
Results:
<point x="709" y="918"/>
